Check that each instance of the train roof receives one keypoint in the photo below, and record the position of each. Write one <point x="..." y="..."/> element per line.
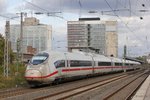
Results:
<point x="96" y="57"/>
<point x="116" y="59"/>
<point x="78" y="55"/>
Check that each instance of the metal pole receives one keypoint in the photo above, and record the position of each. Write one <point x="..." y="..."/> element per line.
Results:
<point x="21" y="36"/>
<point x="6" y="49"/>
<point x="18" y="50"/>
<point x="16" y="73"/>
<point x="125" y="51"/>
<point x="5" y="57"/>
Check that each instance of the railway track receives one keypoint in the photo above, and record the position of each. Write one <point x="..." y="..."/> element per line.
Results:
<point x="122" y="91"/>
<point x="58" y="90"/>
<point x="14" y="92"/>
<point x="19" y="91"/>
<point x="75" y="91"/>
<point x="126" y="91"/>
<point x="79" y="90"/>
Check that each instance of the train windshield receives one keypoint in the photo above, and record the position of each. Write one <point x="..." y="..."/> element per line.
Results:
<point x="39" y="58"/>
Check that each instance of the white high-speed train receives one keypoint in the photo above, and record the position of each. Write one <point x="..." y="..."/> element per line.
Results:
<point x="48" y="66"/>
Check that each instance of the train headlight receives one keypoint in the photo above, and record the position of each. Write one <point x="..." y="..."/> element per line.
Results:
<point x="40" y="68"/>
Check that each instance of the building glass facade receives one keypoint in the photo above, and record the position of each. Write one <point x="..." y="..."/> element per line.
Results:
<point x="37" y="37"/>
<point x="94" y="35"/>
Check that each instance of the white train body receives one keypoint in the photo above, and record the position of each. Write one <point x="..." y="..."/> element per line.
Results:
<point x="46" y="67"/>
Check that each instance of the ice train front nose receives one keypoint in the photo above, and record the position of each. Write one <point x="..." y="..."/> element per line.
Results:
<point x="34" y="72"/>
<point x="33" y="76"/>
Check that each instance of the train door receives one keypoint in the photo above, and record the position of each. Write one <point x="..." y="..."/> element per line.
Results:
<point x="66" y="60"/>
<point x="93" y="65"/>
<point x="112" y="64"/>
<point x="66" y="69"/>
<point x="122" y="64"/>
<point x="67" y="64"/>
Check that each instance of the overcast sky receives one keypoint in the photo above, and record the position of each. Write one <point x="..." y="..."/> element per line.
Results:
<point x="133" y="24"/>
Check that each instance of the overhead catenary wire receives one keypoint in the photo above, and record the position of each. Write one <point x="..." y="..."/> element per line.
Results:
<point x="116" y="4"/>
<point x="80" y="4"/>
<point x="49" y="13"/>
<point x="120" y="18"/>
<point x="130" y="7"/>
<point x="10" y="18"/>
<point x="145" y="40"/>
<point x="141" y="5"/>
<point x="124" y="5"/>
<point x="148" y="2"/>
<point x="34" y="5"/>
<point x="5" y="16"/>
<point x="117" y="15"/>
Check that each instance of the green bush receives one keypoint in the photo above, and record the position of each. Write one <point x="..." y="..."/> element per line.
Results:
<point x="15" y="78"/>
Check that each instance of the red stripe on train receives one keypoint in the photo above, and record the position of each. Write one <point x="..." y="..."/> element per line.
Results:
<point x="75" y="69"/>
<point x="78" y="69"/>
<point x="43" y="76"/>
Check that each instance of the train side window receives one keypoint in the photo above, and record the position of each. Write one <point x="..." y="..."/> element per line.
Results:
<point x="85" y="63"/>
<point x="104" y="63"/>
<point x="78" y="63"/>
<point x="117" y="64"/>
<point x="74" y="63"/>
<point x="127" y="64"/>
<point x="59" y="63"/>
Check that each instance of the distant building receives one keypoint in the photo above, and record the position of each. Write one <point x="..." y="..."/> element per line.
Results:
<point x="36" y="36"/>
<point x="93" y="35"/>
<point x="111" y="38"/>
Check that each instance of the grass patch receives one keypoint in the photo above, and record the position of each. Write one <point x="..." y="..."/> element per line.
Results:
<point x="15" y="78"/>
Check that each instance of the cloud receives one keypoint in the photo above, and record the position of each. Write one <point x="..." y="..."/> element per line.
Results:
<point x="3" y="9"/>
<point x="2" y="27"/>
<point x="135" y="34"/>
<point x="3" y="6"/>
<point x="121" y="7"/>
<point x="131" y="27"/>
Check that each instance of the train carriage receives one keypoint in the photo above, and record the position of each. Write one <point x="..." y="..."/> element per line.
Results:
<point x="48" y="66"/>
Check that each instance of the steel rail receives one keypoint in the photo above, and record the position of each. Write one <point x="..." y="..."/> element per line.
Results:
<point x="123" y="87"/>
<point x="78" y="89"/>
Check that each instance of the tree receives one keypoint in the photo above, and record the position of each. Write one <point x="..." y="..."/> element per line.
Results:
<point x="140" y="58"/>
<point x="2" y="44"/>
